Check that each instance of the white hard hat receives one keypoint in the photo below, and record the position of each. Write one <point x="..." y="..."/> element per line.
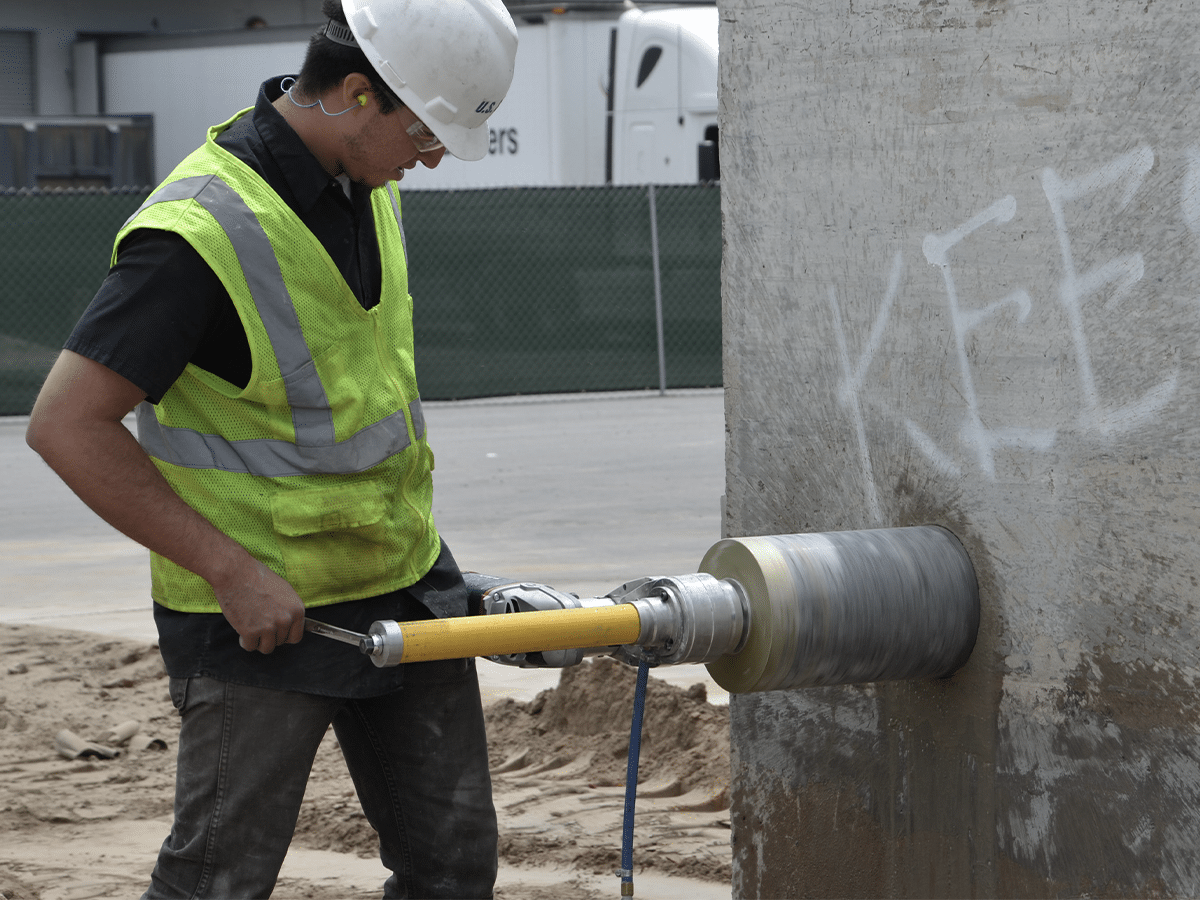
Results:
<point x="450" y="61"/>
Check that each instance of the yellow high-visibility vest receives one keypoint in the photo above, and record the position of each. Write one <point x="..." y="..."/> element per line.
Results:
<point x="319" y="467"/>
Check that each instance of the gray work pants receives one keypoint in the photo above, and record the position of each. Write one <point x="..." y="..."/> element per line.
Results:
<point x="418" y="758"/>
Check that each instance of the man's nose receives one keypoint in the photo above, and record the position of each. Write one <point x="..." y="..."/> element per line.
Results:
<point x="433" y="157"/>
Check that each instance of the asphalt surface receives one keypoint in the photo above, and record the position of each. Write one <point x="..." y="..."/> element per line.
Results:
<point x="582" y="492"/>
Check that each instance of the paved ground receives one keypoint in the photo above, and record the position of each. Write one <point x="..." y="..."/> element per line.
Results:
<point x="582" y="492"/>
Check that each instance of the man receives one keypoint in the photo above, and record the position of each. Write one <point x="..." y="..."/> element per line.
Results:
<point x="257" y="315"/>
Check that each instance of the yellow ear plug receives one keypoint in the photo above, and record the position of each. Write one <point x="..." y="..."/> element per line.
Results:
<point x="362" y="99"/>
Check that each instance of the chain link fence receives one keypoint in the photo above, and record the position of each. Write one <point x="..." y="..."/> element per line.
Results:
<point x="516" y="291"/>
<point x="56" y="250"/>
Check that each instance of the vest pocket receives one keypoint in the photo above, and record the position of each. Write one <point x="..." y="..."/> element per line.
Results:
<point x="333" y="540"/>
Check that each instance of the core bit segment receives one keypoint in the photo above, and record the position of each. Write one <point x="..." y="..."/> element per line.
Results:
<point x="848" y="607"/>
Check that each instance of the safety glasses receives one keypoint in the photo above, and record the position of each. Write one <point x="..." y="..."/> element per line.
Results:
<point x="424" y="139"/>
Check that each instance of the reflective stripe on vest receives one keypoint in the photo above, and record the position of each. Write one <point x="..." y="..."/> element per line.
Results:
<point x="273" y="458"/>
<point x="316" y="450"/>
<point x="399" y="221"/>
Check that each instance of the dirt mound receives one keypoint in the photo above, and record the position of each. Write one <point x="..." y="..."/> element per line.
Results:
<point x="684" y="737"/>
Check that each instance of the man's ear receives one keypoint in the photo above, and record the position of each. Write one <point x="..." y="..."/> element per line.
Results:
<point x="354" y="86"/>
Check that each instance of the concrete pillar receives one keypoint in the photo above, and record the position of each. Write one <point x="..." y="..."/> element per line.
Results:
<point x="962" y="287"/>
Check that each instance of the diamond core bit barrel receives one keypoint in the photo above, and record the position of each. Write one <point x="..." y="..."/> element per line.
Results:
<point x="848" y="607"/>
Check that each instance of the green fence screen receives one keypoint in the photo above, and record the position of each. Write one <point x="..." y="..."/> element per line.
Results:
<point x="56" y="247"/>
<point x="516" y="291"/>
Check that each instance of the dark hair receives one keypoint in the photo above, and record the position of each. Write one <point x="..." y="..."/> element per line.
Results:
<point x="326" y="64"/>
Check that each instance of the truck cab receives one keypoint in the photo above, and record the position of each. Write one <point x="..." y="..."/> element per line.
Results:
<point x="664" y="97"/>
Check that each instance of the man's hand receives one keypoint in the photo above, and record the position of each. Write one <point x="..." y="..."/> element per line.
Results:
<point x="262" y="608"/>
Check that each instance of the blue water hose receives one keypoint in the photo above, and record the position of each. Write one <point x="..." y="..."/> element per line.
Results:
<point x="631" y="777"/>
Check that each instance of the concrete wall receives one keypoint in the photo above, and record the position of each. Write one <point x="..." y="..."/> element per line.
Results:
<point x="961" y="287"/>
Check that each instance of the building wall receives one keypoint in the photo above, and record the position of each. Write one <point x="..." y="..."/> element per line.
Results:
<point x="58" y="24"/>
<point x="960" y="287"/>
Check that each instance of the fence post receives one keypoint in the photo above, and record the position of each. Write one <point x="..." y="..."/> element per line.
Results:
<point x="658" y="309"/>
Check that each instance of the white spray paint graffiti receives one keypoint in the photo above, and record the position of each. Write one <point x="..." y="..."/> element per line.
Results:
<point x="1119" y="275"/>
<point x="848" y="395"/>
<point x="1122" y="271"/>
<point x="1189" y="202"/>
<point x="974" y="434"/>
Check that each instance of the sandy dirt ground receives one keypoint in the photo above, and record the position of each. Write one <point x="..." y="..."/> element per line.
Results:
<point x="90" y="827"/>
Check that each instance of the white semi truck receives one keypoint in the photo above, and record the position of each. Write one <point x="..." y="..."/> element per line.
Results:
<point x="621" y="96"/>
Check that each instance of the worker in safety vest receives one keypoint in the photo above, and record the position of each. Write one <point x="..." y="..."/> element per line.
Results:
<point x="257" y="316"/>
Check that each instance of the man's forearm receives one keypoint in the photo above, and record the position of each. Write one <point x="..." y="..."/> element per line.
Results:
<point x="106" y="467"/>
<point x="102" y="462"/>
<point x="76" y="426"/>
